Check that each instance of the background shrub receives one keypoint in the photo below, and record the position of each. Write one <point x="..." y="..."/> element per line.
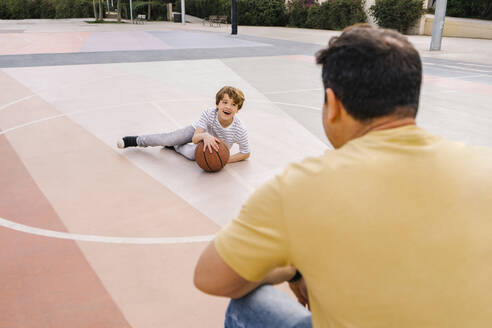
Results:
<point x="16" y="9"/>
<point x="261" y="12"/>
<point x="297" y="13"/>
<point x="336" y="14"/>
<point x="470" y="9"/>
<point x="24" y="9"/>
<point x="158" y="9"/>
<point x="205" y="8"/>
<point x="400" y="15"/>
<point x="250" y="12"/>
<point x="346" y="12"/>
<point x="73" y="8"/>
<point x="41" y="9"/>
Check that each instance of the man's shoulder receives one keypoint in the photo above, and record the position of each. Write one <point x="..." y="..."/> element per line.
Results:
<point x="307" y="169"/>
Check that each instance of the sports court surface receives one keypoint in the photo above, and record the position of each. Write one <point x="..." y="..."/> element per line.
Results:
<point x="94" y="236"/>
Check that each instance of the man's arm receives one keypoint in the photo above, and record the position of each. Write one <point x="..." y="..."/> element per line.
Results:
<point x="214" y="276"/>
<point x="238" y="157"/>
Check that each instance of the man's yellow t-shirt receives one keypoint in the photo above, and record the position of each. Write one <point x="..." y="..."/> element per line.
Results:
<point x="394" y="229"/>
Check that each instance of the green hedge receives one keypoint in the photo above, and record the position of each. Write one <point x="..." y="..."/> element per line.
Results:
<point x="331" y="14"/>
<point x="400" y="15"/>
<point x="297" y="13"/>
<point x="470" y="9"/>
<point x="74" y="8"/>
<point x="11" y="9"/>
<point x="24" y="9"/>
<point x="250" y="12"/>
<point x="205" y="8"/>
<point x="158" y="9"/>
<point x="261" y="12"/>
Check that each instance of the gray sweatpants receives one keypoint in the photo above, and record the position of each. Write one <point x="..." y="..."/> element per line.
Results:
<point x="180" y="139"/>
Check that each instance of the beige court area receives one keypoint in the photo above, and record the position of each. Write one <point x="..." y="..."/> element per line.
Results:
<point x="95" y="236"/>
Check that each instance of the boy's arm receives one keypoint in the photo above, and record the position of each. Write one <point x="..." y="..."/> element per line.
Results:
<point x="209" y="140"/>
<point x="238" y="157"/>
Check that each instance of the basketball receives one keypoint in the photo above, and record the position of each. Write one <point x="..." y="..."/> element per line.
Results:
<point x="212" y="162"/>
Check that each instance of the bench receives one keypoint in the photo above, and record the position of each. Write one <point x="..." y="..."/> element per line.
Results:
<point x="216" y="20"/>
<point x="140" y="19"/>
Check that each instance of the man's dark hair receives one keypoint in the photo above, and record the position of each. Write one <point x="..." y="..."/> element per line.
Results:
<point x="374" y="72"/>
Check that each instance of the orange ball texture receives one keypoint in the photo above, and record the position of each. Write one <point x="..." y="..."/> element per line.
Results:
<point x="212" y="161"/>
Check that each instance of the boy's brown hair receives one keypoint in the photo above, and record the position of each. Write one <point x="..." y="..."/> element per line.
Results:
<point x="236" y="94"/>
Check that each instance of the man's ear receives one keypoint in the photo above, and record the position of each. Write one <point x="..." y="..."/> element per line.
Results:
<point x="334" y="106"/>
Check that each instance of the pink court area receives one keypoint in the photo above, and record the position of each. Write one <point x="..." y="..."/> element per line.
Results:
<point x="16" y="43"/>
<point x="95" y="236"/>
<point x="66" y="42"/>
<point x="54" y="282"/>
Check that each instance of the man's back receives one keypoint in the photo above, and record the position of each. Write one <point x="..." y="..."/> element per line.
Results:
<point x="393" y="230"/>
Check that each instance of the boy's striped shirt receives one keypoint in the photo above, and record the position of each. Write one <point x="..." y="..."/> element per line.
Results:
<point x="234" y="133"/>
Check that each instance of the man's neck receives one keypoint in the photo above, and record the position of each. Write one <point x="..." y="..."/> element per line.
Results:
<point x="383" y="123"/>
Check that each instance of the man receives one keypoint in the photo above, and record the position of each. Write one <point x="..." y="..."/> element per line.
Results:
<point x="391" y="229"/>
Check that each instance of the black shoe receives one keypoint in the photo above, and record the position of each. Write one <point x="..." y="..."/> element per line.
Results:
<point x="126" y="142"/>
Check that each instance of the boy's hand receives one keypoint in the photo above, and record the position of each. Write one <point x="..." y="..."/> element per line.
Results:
<point x="211" y="142"/>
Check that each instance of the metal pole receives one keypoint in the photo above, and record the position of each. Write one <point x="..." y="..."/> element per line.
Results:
<point x="183" y="12"/>
<point x="107" y="3"/>
<point x="234" y="17"/>
<point x="131" y="11"/>
<point x="438" y="27"/>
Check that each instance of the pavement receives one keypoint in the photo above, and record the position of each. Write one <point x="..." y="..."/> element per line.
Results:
<point x="95" y="236"/>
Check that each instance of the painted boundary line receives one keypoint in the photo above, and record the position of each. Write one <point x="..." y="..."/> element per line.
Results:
<point x="152" y="102"/>
<point x="104" y="239"/>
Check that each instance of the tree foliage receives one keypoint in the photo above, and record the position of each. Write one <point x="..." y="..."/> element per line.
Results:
<point x="470" y="9"/>
<point x="331" y="14"/>
<point x="250" y="12"/>
<point x="297" y="13"/>
<point x="400" y="15"/>
<point x="24" y="9"/>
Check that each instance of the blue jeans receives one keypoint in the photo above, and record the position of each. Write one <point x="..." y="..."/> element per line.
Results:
<point x="267" y="307"/>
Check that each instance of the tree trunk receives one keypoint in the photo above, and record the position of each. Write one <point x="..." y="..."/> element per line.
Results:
<point x="148" y="11"/>
<point x="94" y="6"/>
<point x="100" y="10"/>
<point x="119" y="11"/>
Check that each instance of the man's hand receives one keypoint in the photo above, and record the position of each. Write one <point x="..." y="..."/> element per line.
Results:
<point x="211" y="142"/>
<point x="300" y="290"/>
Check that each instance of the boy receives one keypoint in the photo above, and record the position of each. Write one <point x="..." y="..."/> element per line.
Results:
<point x="214" y="123"/>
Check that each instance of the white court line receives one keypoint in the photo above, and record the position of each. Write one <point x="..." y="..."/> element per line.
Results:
<point x="16" y="101"/>
<point x="33" y="122"/>
<point x="478" y="65"/>
<point x="104" y="239"/>
<point x="153" y="102"/>
<point x="125" y="240"/>
<point x="163" y="112"/>
<point x="466" y="69"/>
<point x="290" y="91"/>
<point x="452" y="77"/>
<point x="90" y="110"/>
<point x="286" y="104"/>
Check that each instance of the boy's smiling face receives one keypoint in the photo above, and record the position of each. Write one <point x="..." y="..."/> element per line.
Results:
<point x="227" y="108"/>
